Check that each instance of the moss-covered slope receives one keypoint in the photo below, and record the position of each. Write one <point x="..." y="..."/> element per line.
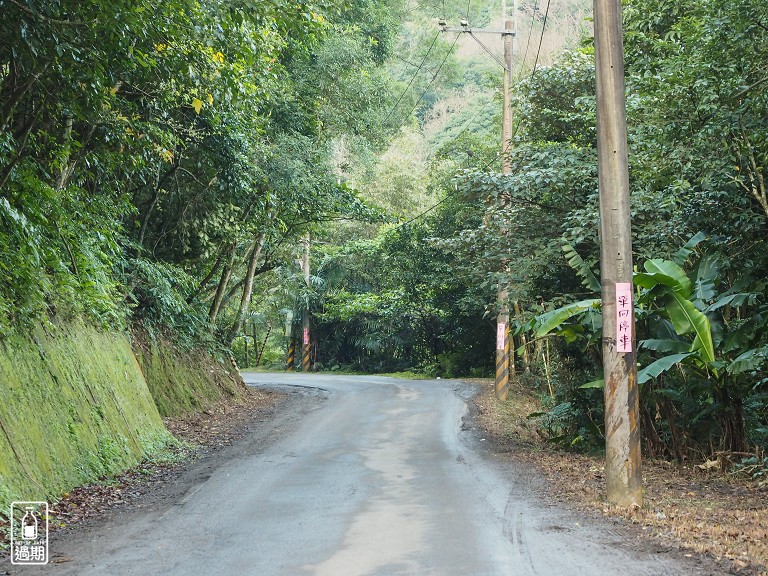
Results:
<point x="74" y="405"/>
<point x="183" y="381"/>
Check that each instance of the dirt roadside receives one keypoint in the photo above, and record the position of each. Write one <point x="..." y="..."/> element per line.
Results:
<point x="718" y="516"/>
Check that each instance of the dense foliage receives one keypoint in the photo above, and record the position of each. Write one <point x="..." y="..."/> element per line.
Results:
<point x="697" y="108"/>
<point x="161" y="163"/>
<point x="156" y="157"/>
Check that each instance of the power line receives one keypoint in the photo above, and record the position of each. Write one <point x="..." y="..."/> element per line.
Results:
<point x="434" y="76"/>
<point x="487" y="50"/>
<point x="413" y="78"/>
<point x="514" y="133"/>
<point x="428" y="210"/>
<point x="405" y="61"/>
<point x="541" y="39"/>
<point x="520" y="72"/>
<point x="533" y="74"/>
<point x="519" y="121"/>
<point x="530" y="35"/>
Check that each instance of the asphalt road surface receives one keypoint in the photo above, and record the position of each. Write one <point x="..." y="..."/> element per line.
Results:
<point x="366" y="476"/>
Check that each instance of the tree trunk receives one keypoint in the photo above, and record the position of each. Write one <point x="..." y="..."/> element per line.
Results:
<point x="263" y="344"/>
<point x="237" y="325"/>
<point x="204" y="282"/>
<point x="679" y="448"/>
<point x="654" y="446"/>
<point x="731" y="420"/>
<point x="523" y="340"/>
<point x="226" y="275"/>
<point x="21" y="138"/>
<point x="232" y="291"/>
<point x="156" y="196"/>
<point x="64" y="172"/>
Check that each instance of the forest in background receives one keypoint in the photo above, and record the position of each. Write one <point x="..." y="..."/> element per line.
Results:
<point x="159" y="164"/>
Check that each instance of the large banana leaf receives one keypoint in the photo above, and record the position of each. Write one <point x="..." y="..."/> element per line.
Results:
<point x="549" y="321"/>
<point x="748" y="361"/>
<point x="651" y="371"/>
<point x="599" y="383"/>
<point x="687" y="319"/>
<point x="685" y="251"/>
<point x="667" y="273"/>
<point x="666" y="345"/>
<point x="582" y="269"/>
<point x="738" y="299"/>
<point x="661" y="365"/>
<point x="706" y="276"/>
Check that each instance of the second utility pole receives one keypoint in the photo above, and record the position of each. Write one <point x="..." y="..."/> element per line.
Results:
<point x="503" y="348"/>
<point x="505" y="361"/>
<point x="305" y="356"/>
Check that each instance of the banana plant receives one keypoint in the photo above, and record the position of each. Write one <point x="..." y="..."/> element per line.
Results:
<point x="690" y="320"/>
<point x="681" y="314"/>
<point x="666" y="290"/>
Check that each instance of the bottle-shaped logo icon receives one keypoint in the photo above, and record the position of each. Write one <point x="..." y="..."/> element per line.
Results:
<point x="29" y="525"/>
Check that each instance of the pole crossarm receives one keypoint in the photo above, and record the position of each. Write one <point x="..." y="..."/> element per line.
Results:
<point x="507" y="33"/>
<point x="468" y="30"/>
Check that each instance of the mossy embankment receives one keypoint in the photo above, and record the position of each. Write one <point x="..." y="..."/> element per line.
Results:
<point x="184" y="381"/>
<point x="78" y="403"/>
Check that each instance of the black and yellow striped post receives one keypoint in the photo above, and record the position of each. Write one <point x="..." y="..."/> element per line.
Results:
<point x="291" y="354"/>
<point x="305" y="356"/>
<point x="502" y="357"/>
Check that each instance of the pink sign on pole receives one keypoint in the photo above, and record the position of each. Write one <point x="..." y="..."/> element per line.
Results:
<point x="624" y="316"/>
<point x="501" y="332"/>
<point x="306" y="336"/>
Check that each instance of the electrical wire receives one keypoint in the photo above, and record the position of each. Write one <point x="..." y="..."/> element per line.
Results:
<point x="427" y="211"/>
<point x="530" y="35"/>
<point x="487" y="50"/>
<point x="404" y="61"/>
<point x="522" y="64"/>
<point x="434" y="76"/>
<point x="533" y="75"/>
<point x="413" y="78"/>
<point x="541" y="39"/>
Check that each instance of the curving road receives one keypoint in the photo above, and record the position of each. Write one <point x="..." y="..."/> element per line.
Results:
<point x="368" y="476"/>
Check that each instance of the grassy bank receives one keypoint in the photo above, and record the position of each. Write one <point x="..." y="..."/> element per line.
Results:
<point x="184" y="381"/>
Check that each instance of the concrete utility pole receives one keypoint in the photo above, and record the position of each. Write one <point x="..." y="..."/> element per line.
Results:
<point x="622" y="434"/>
<point x="509" y="33"/>
<point x="503" y="344"/>
<point x="305" y="358"/>
<point x="291" y="341"/>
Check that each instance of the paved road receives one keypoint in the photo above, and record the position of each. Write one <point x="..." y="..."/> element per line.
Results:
<point x="375" y="478"/>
